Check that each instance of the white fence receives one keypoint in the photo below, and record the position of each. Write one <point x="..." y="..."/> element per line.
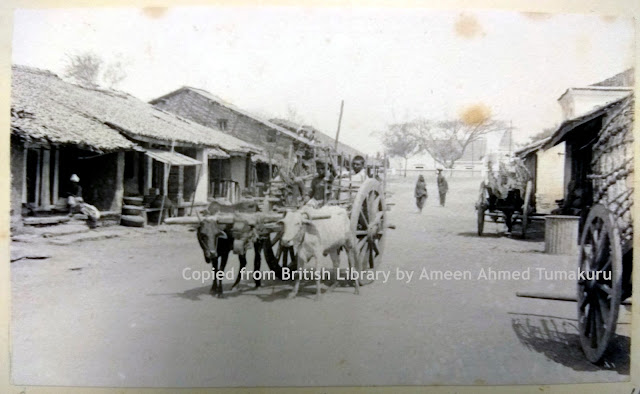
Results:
<point x="449" y="173"/>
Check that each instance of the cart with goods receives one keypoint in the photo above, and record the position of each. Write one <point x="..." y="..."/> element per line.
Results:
<point x="507" y="196"/>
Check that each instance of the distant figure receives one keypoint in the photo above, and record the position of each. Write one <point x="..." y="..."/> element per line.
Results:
<point x="443" y="187"/>
<point x="77" y="205"/>
<point x="420" y="192"/>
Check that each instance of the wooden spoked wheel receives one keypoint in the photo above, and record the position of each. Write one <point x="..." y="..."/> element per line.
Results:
<point x="526" y="208"/>
<point x="481" y="207"/>
<point x="368" y="223"/>
<point x="276" y="255"/>
<point x="599" y="294"/>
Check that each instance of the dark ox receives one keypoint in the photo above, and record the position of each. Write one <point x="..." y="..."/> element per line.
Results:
<point x="225" y="228"/>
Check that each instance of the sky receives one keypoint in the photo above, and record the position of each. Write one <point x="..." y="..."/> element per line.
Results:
<point x="388" y="64"/>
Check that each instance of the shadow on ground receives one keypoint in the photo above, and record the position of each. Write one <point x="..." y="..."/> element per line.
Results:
<point x="269" y="291"/>
<point x="557" y="338"/>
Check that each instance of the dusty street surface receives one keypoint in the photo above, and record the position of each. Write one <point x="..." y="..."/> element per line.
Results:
<point x="117" y="312"/>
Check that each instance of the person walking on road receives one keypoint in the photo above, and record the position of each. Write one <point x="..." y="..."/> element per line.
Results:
<point x="443" y="187"/>
<point x="420" y="192"/>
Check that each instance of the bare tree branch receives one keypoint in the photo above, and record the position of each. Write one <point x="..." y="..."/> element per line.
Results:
<point x="83" y="68"/>
<point x="91" y="70"/>
<point x="446" y="141"/>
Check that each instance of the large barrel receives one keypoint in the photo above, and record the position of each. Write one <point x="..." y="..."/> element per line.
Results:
<point x="561" y="234"/>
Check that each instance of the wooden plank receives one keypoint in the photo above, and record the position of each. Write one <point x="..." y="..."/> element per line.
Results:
<point x="34" y="221"/>
<point x="182" y="220"/>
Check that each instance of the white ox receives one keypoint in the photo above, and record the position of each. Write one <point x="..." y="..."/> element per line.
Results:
<point x="316" y="232"/>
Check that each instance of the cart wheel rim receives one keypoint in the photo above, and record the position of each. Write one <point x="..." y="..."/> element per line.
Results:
<point x="481" y="208"/>
<point x="368" y="223"/>
<point x="526" y="208"/>
<point x="599" y="295"/>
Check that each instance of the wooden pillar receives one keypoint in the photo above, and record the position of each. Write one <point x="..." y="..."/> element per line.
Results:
<point x="37" y="188"/>
<point x="202" y="180"/>
<point x="46" y="179"/>
<point x="56" y="177"/>
<point x="118" y="194"/>
<point x="24" y="175"/>
<point x="247" y="172"/>
<point x="165" y="179"/>
<point x="180" y="184"/>
<point x="148" y="181"/>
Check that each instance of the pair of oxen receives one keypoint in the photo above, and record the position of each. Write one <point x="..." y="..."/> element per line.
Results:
<point x="312" y="232"/>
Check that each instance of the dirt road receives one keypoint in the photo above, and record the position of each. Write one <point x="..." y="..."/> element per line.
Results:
<point x="118" y="312"/>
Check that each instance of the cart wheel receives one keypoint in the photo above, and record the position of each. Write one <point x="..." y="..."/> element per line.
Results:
<point x="599" y="296"/>
<point x="368" y="223"/>
<point x="526" y="208"/>
<point x="481" y="208"/>
<point x="276" y="255"/>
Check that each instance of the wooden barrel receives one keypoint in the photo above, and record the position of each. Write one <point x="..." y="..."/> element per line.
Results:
<point x="561" y="234"/>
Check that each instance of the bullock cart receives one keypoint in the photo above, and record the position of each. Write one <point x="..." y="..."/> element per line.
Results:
<point x="507" y="199"/>
<point x="605" y="243"/>
<point x="256" y="223"/>
<point x="367" y="208"/>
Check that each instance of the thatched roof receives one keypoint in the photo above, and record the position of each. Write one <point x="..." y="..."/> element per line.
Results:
<point x="37" y="115"/>
<point x="64" y="113"/>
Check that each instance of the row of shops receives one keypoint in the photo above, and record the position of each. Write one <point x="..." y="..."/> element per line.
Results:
<point x="187" y="146"/>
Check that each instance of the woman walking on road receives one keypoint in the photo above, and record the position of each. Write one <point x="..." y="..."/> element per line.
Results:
<point x="443" y="187"/>
<point x="420" y="192"/>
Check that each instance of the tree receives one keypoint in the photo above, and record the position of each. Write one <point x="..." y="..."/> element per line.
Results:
<point x="91" y="70"/>
<point x="400" y="141"/>
<point x="543" y="134"/>
<point x="447" y="140"/>
<point x="83" y="68"/>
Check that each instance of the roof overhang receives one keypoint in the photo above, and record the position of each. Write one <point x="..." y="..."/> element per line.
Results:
<point x="215" y="153"/>
<point x="569" y="125"/>
<point x="173" y="158"/>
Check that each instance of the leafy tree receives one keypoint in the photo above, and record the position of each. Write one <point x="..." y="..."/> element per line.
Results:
<point x="400" y="141"/>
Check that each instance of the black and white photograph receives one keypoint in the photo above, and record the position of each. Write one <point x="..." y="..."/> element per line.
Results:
<point x="294" y="196"/>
